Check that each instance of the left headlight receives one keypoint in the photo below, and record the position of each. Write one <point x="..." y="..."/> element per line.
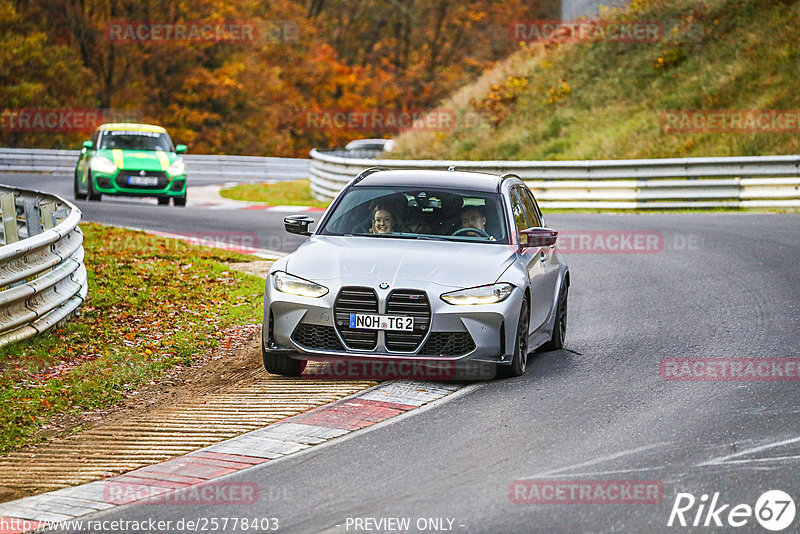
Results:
<point x="294" y="285"/>
<point x="102" y="164"/>
<point x="479" y="295"/>
<point x="176" y="167"/>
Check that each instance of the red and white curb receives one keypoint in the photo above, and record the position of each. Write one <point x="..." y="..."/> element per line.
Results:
<point x="187" y="476"/>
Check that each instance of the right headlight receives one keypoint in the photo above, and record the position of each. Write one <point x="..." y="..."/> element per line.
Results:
<point x="490" y="294"/>
<point x="294" y="285"/>
<point x="177" y="167"/>
<point x="103" y="165"/>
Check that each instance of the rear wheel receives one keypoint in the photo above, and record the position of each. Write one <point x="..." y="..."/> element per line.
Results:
<point x="75" y="191"/>
<point x="281" y="364"/>
<point x="520" y="359"/>
<point x="92" y="194"/>
<point x="560" y="327"/>
<point x="163" y="201"/>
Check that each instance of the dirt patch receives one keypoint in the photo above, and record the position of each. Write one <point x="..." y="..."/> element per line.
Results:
<point x="240" y="351"/>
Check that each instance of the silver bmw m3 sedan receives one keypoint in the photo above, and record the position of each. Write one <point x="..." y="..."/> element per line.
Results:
<point x="426" y="266"/>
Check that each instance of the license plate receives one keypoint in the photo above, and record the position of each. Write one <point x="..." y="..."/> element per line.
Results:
<point x="142" y="180"/>
<point x="381" y="322"/>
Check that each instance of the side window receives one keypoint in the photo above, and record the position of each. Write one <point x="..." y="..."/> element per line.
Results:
<point x="95" y="138"/>
<point x="518" y="211"/>
<point x="534" y="219"/>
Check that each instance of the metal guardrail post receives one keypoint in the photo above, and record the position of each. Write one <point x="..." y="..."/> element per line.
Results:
<point x="9" y="212"/>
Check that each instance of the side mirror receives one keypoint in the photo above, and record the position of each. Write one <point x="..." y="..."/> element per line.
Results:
<point x="87" y="144"/>
<point x="539" y="237"/>
<point x="180" y="149"/>
<point x="297" y="224"/>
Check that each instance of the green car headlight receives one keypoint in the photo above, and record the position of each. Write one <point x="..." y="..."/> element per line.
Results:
<point x="176" y="167"/>
<point x="103" y="165"/>
<point x="294" y="285"/>
<point x="490" y="294"/>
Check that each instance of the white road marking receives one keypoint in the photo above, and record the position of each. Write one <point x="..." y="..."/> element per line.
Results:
<point x="601" y="459"/>
<point x="724" y="459"/>
<point x="611" y="472"/>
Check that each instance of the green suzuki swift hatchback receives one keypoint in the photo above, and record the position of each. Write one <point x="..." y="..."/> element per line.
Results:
<point x="132" y="160"/>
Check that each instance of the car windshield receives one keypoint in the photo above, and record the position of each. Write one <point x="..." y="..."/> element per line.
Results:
<point x="136" y="140"/>
<point x="415" y="213"/>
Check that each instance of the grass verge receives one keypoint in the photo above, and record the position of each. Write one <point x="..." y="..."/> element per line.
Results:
<point x="296" y="193"/>
<point x="153" y="304"/>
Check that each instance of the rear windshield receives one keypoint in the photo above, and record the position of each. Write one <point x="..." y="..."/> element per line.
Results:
<point x="135" y="140"/>
<point x="414" y="213"/>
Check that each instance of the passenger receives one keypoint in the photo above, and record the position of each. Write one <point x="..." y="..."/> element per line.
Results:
<point x="449" y="214"/>
<point x="474" y="217"/>
<point x="383" y="220"/>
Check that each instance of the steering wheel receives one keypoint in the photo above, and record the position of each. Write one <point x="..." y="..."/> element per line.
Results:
<point x="476" y="230"/>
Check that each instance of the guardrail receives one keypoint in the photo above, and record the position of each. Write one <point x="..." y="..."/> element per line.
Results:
<point x="197" y="166"/>
<point x="42" y="275"/>
<point x="732" y="182"/>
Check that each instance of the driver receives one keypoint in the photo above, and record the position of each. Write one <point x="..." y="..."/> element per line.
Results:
<point x="473" y="217"/>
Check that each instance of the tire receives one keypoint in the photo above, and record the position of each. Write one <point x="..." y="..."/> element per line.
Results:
<point x="560" y="326"/>
<point x="180" y="201"/>
<point x="519" y="361"/>
<point x="76" y="193"/>
<point x="163" y="201"/>
<point x="281" y="364"/>
<point x="91" y="194"/>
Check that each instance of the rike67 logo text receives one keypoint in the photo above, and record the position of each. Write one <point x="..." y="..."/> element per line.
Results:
<point x="774" y="510"/>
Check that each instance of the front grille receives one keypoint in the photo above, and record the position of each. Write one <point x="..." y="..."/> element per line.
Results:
<point x="448" y="344"/>
<point x="122" y="179"/>
<point x="355" y="300"/>
<point x="407" y="302"/>
<point x="317" y="337"/>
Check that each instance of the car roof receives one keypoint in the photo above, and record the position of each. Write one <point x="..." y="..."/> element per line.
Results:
<point x="132" y="127"/>
<point x="470" y="181"/>
<point x="359" y="142"/>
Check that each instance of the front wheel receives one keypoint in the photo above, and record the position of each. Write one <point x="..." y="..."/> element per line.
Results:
<point x="180" y="201"/>
<point x="92" y="194"/>
<point x="560" y="327"/>
<point x="75" y="191"/>
<point x="163" y="201"/>
<point x="281" y="364"/>
<point x="520" y="359"/>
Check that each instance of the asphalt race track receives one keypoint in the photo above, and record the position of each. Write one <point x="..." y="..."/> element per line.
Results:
<point x="716" y="285"/>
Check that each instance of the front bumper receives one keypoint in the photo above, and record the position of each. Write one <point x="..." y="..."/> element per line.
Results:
<point x="306" y="328"/>
<point x="116" y="184"/>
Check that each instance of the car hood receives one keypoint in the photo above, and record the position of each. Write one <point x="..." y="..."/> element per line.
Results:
<point x="369" y="260"/>
<point x="145" y="160"/>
